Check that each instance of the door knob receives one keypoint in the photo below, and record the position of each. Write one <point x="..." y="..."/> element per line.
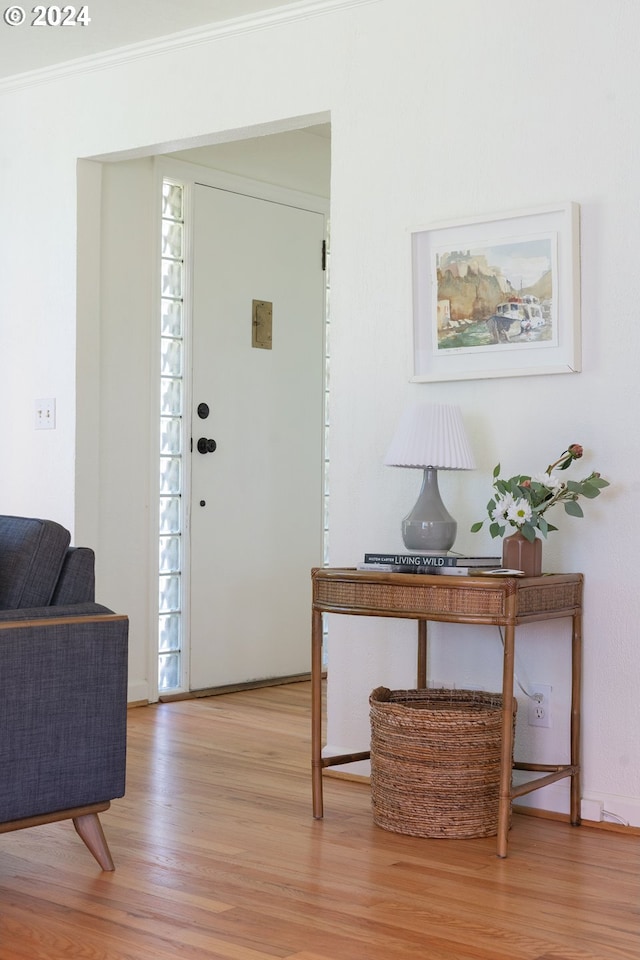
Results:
<point x="206" y="446"/>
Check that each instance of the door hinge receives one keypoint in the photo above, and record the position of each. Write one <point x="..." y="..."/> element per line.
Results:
<point x="324" y="254"/>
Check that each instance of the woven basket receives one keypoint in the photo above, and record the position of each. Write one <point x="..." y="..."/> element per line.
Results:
<point x="435" y="761"/>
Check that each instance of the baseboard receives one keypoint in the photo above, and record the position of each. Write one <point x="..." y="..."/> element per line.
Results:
<point x="234" y="688"/>
<point x="334" y="774"/>
<point x="625" y="828"/>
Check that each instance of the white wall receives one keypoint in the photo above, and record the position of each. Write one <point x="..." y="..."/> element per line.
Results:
<point x="116" y="503"/>
<point x="438" y="112"/>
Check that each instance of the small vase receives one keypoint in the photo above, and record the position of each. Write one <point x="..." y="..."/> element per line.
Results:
<point x="518" y="553"/>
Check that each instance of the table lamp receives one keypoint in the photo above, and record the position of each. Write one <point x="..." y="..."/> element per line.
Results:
<point x="430" y="437"/>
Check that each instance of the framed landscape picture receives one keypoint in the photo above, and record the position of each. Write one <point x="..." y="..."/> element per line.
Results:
<point x="497" y="296"/>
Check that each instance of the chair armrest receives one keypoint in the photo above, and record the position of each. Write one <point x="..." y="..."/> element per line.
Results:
<point x="88" y="609"/>
<point x="63" y="708"/>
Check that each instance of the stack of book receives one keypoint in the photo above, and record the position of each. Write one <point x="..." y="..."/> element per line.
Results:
<point x="452" y="564"/>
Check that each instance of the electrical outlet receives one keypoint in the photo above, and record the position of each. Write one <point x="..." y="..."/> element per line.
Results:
<point x="540" y="706"/>
<point x="592" y="810"/>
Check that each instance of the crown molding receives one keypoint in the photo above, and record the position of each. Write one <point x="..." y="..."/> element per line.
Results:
<point x="301" y="10"/>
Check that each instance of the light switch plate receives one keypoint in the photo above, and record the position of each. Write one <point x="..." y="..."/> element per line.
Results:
<point x="46" y="414"/>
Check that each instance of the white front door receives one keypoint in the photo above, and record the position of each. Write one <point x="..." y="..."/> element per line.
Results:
<point x="256" y="501"/>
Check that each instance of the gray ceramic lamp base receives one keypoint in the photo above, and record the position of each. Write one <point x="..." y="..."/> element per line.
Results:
<point x="429" y="526"/>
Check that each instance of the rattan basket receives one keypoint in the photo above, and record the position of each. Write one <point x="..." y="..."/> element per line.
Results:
<point x="435" y="761"/>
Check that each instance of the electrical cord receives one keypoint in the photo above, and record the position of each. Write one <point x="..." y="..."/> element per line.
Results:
<point x="614" y="816"/>
<point x="532" y="696"/>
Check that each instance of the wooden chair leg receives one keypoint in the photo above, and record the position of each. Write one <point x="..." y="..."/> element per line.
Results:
<point x="90" y="830"/>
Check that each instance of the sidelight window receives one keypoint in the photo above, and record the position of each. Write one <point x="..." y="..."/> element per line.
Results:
<point x="171" y="467"/>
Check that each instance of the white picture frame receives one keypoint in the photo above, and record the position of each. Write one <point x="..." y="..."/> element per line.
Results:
<point x="529" y="261"/>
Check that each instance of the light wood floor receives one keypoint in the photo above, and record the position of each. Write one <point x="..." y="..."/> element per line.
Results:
<point x="217" y="856"/>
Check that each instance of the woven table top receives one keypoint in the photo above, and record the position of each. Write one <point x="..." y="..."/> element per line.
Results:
<point x="438" y="597"/>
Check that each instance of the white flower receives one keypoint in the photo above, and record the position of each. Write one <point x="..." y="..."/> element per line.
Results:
<point x="549" y="480"/>
<point x="519" y="512"/>
<point x="503" y="505"/>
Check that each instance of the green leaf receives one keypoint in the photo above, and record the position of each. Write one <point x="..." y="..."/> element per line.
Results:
<point x="528" y="532"/>
<point x="543" y="526"/>
<point x="573" y="509"/>
<point x="496" y="471"/>
<point x="539" y="490"/>
<point x="476" y="526"/>
<point x="496" y="530"/>
<point x="589" y="490"/>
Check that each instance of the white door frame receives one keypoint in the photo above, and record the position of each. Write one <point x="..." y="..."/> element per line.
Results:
<point x="190" y="174"/>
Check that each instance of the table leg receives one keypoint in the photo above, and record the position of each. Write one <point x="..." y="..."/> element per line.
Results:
<point x="422" y="654"/>
<point x="316" y="713"/>
<point x="506" y="757"/>
<point x="576" y="696"/>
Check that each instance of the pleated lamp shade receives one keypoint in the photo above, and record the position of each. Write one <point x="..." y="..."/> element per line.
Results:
<point x="430" y="437"/>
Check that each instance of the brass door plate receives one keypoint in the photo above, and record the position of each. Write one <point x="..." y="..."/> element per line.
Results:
<point x="261" y="323"/>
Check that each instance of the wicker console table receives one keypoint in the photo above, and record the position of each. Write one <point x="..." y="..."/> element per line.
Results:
<point x="506" y="602"/>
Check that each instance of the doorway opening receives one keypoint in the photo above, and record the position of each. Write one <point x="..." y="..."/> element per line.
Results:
<point x="175" y="519"/>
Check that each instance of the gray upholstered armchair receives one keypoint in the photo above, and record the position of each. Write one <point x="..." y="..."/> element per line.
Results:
<point x="63" y="685"/>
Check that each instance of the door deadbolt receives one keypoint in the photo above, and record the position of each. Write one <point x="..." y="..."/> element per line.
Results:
<point x="206" y="446"/>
